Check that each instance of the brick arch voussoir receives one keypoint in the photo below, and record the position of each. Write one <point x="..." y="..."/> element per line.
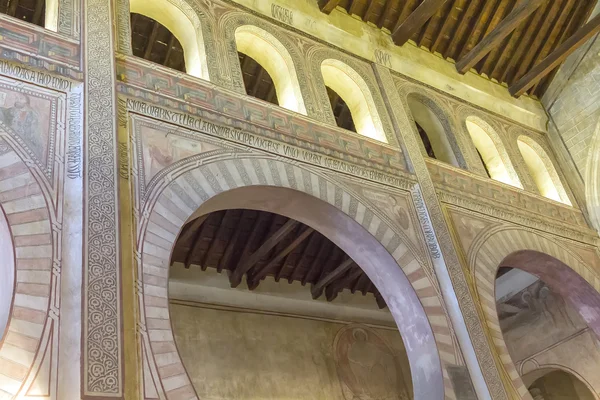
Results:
<point x="24" y="203"/>
<point x="486" y="260"/>
<point x="180" y="195"/>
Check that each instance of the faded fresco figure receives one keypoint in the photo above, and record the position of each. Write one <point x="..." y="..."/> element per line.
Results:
<point x="24" y="121"/>
<point x="367" y="367"/>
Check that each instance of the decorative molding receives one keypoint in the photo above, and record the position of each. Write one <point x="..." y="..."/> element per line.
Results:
<point x="102" y="337"/>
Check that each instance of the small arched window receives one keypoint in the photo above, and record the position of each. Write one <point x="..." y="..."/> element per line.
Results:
<point x="349" y="94"/>
<point x="431" y="132"/>
<point x="493" y="161"/>
<point x="268" y="69"/>
<point x="541" y="170"/>
<point x="163" y="33"/>
<point x="38" y="12"/>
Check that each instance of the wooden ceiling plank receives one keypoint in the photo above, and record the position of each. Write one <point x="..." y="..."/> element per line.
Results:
<point x="325" y="244"/>
<point x="249" y="262"/>
<point x="213" y="242"/>
<point x="540" y="36"/>
<point x="303" y="258"/>
<point x="317" y="289"/>
<point x="526" y="39"/>
<point x="556" y="57"/>
<point x="461" y="29"/>
<point x="444" y="30"/>
<point x="332" y="290"/>
<point x="262" y="272"/>
<point x="12" y="8"/>
<point x="151" y="40"/>
<point x="408" y="7"/>
<point x="504" y="28"/>
<point x="170" y="45"/>
<point x="257" y="81"/>
<point x="37" y="13"/>
<point x="504" y="8"/>
<point x="257" y="229"/>
<point x="379" y="299"/>
<point x="416" y="20"/>
<point x="201" y="226"/>
<point x="387" y="12"/>
<point x="370" y="12"/>
<point x="355" y="8"/>
<point x="551" y="40"/>
<point x="327" y="6"/>
<point x="191" y="229"/>
<point x="479" y="27"/>
<point x="226" y="259"/>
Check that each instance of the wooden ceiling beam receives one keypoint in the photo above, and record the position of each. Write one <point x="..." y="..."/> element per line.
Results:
<point x="213" y="242"/>
<point x="461" y="29"/>
<point x="151" y="40"/>
<point x="317" y="289"/>
<point x="495" y="37"/>
<point x="192" y="229"/>
<point x="556" y="57"/>
<point x="170" y="45"/>
<point x="12" y="8"/>
<point x="379" y="299"/>
<point x="443" y="33"/>
<point x="303" y="258"/>
<point x="37" y="13"/>
<point x="199" y="227"/>
<point x="262" y="272"/>
<point x="249" y="262"/>
<point x="370" y="11"/>
<point x="257" y="80"/>
<point x="226" y="259"/>
<point x="320" y="255"/>
<point x="389" y="6"/>
<point x="416" y="20"/>
<point x="332" y="290"/>
<point x="327" y="6"/>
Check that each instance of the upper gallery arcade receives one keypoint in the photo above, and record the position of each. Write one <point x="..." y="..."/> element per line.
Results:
<point x="283" y="199"/>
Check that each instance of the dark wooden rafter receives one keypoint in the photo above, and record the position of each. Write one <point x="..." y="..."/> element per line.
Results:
<point x="416" y="20"/>
<point x="151" y="40"/>
<point x="556" y="57"/>
<point x="198" y="228"/>
<point x="317" y="288"/>
<point x="327" y="6"/>
<point x="495" y="37"/>
<point x="258" y="245"/>
<point x="460" y="27"/>
<point x="247" y="263"/>
<point x="262" y="272"/>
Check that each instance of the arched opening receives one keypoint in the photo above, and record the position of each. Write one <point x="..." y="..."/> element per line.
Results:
<point x="264" y="327"/>
<point x="32" y="11"/>
<point x="7" y="272"/>
<point x="547" y="314"/>
<point x="163" y="33"/>
<point x="542" y="171"/>
<point x="268" y="69"/>
<point x="351" y="100"/>
<point x="557" y="384"/>
<point x="154" y="42"/>
<point x="431" y="131"/>
<point x="342" y="230"/>
<point x="491" y="159"/>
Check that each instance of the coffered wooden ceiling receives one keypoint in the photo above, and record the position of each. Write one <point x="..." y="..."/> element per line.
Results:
<point x="260" y="245"/>
<point x="500" y="39"/>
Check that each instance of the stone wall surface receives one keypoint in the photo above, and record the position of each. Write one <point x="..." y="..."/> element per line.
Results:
<point x="276" y="357"/>
<point x="104" y="157"/>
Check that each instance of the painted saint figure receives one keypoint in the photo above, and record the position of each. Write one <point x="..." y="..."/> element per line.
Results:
<point x="24" y="121"/>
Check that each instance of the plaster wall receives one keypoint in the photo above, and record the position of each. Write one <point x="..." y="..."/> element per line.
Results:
<point x="243" y="354"/>
<point x="551" y="334"/>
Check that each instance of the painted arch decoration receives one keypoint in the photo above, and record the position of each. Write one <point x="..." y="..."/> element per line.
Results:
<point x="175" y="188"/>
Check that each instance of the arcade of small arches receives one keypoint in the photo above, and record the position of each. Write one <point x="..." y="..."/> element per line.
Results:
<point x="269" y="74"/>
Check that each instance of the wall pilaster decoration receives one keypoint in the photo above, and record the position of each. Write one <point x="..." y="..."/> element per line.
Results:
<point x="102" y="351"/>
<point x="444" y="253"/>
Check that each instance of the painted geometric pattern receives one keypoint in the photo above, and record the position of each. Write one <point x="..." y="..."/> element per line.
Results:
<point x="195" y="96"/>
<point x="25" y="207"/>
<point x="173" y="201"/>
<point x="485" y="261"/>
